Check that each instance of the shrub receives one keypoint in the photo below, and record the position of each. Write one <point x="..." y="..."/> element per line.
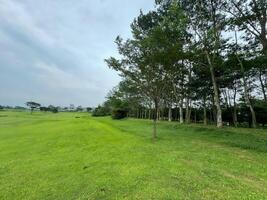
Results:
<point x="101" y="111"/>
<point x="119" y="114"/>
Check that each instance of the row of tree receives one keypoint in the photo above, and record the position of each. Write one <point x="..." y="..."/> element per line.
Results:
<point x="55" y="109"/>
<point x="33" y="106"/>
<point x="207" y="56"/>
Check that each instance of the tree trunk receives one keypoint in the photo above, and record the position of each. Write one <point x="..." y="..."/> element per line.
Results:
<point x="181" y="112"/>
<point x="216" y="93"/>
<point x="211" y="115"/>
<point x="163" y="114"/>
<point x="262" y="86"/>
<point x="246" y="94"/>
<point x="155" y="120"/>
<point x="195" y="116"/>
<point x="188" y="100"/>
<point x="235" y="109"/>
<point x="187" y="113"/>
<point x="170" y="114"/>
<point x="235" y="116"/>
<point x="176" y="113"/>
<point x="204" y="112"/>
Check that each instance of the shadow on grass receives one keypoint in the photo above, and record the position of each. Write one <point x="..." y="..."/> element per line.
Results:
<point x="247" y="139"/>
<point x="243" y="138"/>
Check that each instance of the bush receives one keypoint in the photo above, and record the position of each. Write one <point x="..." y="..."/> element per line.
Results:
<point x="101" y="111"/>
<point x="54" y="110"/>
<point x="50" y="108"/>
<point x="119" y="114"/>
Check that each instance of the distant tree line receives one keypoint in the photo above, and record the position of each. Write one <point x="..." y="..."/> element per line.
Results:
<point x="194" y="61"/>
<point x="11" y="107"/>
<point x="54" y="109"/>
<point x="34" y="106"/>
<point x="50" y="108"/>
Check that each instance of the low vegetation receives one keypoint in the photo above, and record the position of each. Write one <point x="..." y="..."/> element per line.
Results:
<point x="75" y="156"/>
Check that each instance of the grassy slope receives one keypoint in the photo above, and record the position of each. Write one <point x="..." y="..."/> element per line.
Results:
<point x="58" y="156"/>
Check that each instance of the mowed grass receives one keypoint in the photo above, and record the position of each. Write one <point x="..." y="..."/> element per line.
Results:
<point x="75" y="156"/>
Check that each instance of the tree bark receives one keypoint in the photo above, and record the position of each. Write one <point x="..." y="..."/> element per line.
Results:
<point x="246" y="94"/>
<point x="235" y="109"/>
<point x="187" y="113"/>
<point x="262" y="86"/>
<point x="188" y="100"/>
<point x="155" y="120"/>
<point x="204" y="112"/>
<point x="216" y="93"/>
<point x="170" y="114"/>
<point x="162" y="114"/>
<point x="181" y="112"/>
<point x="195" y="116"/>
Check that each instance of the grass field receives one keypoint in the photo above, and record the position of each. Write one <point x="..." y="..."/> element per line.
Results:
<point x="74" y="156"/>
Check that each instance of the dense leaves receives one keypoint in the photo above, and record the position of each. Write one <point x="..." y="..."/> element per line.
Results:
<point x="200" y="60"/>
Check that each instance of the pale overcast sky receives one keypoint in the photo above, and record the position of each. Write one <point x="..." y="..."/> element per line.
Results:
<point x="52" y="51"/>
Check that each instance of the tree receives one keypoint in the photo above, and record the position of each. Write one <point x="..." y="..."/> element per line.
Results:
<point x="79" y="109"/>
<point x="44" y="109"/>
<point x="89" y="109"/>
<point x="32" y="105"/>
<point x="250" y="16"/>
<point x="180" y="56"/>
<point x="208" y="23"/>
<point x="245" y="83"/>
<point x="53" y="109"/>
<point x="152" y="55"/>
<point x="101" y="111"/>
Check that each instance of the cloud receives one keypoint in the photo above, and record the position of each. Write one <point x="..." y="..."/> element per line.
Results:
<point x="53" y="51"/>
<point x="53" y="76"/>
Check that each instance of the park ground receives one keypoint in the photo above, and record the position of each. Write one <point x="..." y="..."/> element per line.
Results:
<point x="75" y="156"/>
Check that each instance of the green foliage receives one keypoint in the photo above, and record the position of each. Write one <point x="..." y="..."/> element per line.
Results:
<point x="261" y="111"/>
<point x="50" y="108"/>
<point x="193" y="54"/>
<point x="33" y="105"/>
<point x="119" y="113"/>
<point x="53" y="109"/>
<point x="89" y="109"/>
<point x="79" y="109"/>
<point x="101" y="111"/>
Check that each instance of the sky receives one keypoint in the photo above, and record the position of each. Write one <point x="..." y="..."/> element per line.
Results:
<point x="53" y="51"/>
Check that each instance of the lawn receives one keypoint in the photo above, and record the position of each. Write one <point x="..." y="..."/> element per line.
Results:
<point x="75" y="156"/>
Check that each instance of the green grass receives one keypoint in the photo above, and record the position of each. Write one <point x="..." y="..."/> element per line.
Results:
<point x="74" y="156"/>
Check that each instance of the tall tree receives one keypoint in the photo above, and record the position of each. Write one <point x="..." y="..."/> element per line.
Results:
<point x="152" y="55"/>
<point x="250" y="16"/>
<point x="207" y="24"/>
<point x="32" y="105"/>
